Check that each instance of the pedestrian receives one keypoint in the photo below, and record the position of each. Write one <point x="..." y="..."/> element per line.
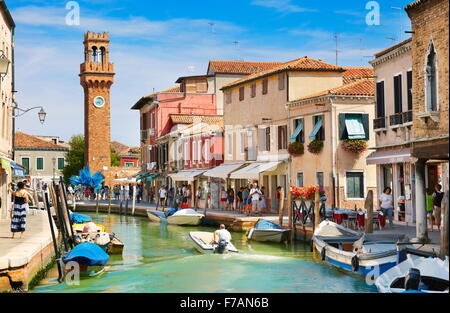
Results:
<point x="239" y="199"/>
<point x="223" y="198"/>
<point x="230" y="198"/>
<point x="438" y="195"/>
<point x="188" y="195"/>
<point x="162" y="196"/>
<point x="278" y="199"/>
<point x="255" y="194"/>
<point x="171" y="197"/>
<point x="262" y="202"/>
<point x="138" y="193"/>
<point x="198" y="197"/>
<point x="244" y="204"/>
<point x="429" y="207"/>
<point x="386" y="205"/>
<point x="20" y="209"/>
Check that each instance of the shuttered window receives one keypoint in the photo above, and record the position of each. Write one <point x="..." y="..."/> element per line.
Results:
<point x="409" y="86"/>
<point x="281" y="81"/>
<point x="343" y="131"/>
<point x="265" y="86"/>
<point x="26" y="165"/>
<point x="398" y="93"/>
<point x="253" y="90"/>
<point x="60" y="164"/>
<point x="380" y="99"/>
<point x="267" y="147"/>
<point x="355" y="185"/>
<point x="228" y="96"/>
<point x="282" y="137"/>
<point x="241" y="93"/>
<point x="40" y="164"/>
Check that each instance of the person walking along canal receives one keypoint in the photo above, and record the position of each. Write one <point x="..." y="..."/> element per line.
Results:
<point x="19" y="213"/>
<point x="386" y="205"/>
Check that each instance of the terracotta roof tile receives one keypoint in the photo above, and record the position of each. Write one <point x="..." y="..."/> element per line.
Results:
<point x="361" y="87"/>
<point x="302" y="64"/>
<point x="189" y="119"/>
<point x="240" y="67"/>
<point x="23" y="140"/>
<point x="353" y="73"/>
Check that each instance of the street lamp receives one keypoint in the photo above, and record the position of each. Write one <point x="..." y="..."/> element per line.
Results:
<point x="42" y="114"/>
<point x="4" y="64"/>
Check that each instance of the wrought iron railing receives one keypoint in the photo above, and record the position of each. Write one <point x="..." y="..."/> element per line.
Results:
<point x="379" y="123"/>
<point x="407" y="117"/>
<point x="302" y="212"/>
<point x="396" y="119"/>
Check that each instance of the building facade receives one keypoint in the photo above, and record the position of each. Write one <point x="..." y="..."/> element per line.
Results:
<point x="393" y="127"/>
<point x="430" y="132"/>
<point x="7" y="26"/>
<point x="43" y="160"/>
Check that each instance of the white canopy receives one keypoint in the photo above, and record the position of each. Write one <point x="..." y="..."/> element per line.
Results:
<point x="253" y="170"/>
<point x="126" y="180"/>
<point x="223" y="170"/>
<point x="188" y="176"/>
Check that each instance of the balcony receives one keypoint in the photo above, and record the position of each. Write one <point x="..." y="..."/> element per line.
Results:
<point x="407" y="117"/>
<point x="396" y="120"/>
<point x="379" y="123"/>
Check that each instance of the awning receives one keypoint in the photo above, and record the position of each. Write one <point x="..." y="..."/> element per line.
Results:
<point x="188" y="176"/>
<point x="316" y="129"/>
<point x="389" y="157"/>
<point x="355" y="127"/>
<point x="253" y="170"/>
<point x="5" y="163"/>
<point x="223" y="170"/>
<point x="18" y="170"/>
<point x="140" y="177"/>
<point x="151" y="177"/>
<point x="297" y="131"/>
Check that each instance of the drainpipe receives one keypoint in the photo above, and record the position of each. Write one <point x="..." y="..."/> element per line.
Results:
<point x="335" y="181"/>
<point x="13" y="85"/>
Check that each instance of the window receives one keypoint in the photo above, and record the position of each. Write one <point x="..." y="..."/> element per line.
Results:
<point x="380" y="99"/>
<point x="265" y="86"/>
<point x="230" y="144"/>
<point x="409" y="86"/>
<point x="430" y="73"/>
<point x="39" y="164"/>
<point x="207" y="150"/>
<point x="282" y="137"/>
<point x="60" y="164"/>
<point x="194" y="152"/>
<point x="26" y="165"/>
<point x="241" y="93"/>
<point x="186" y="153"/>
<point x="199" y="151"/>
<point x="398" y="93"/>
<point x="319" y="179"/>
<point x="228" y="96"/>
<point x="355" y="185"/>
<point x="129" y="164"/>
<point x="353" y="126"/>
<point x="300" y="182"/>
<point x="253" y="90"/>
<point x="281" y="81"/>
<point x="299" y="134"/>
<point x="267" y="139"/>
<point x="243" y="137"/>
<point x="144" y="121"/>
<point x="318" y="132"/>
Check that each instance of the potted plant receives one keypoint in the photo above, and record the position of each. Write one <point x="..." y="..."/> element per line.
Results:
<point x="354" y="145"/>
<point x="296" y="148"/>
<point x="306" y="194"/>
<point x="315" y="146"/>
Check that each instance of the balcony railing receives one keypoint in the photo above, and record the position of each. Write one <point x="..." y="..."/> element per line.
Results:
<point x="396" y="119"/>
<point x="379" y="123"/>
<point x="407" y="117"/>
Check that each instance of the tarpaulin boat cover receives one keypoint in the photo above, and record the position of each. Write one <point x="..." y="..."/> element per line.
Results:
<point x="265" y="224"/>
<point x="77" y="218"/>
<point x="87" y="253"/>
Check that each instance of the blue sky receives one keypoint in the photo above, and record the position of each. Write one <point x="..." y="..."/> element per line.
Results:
<point x="155" y="42"/>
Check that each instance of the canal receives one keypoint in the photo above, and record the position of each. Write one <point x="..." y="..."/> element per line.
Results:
<point x="162" y="258"/>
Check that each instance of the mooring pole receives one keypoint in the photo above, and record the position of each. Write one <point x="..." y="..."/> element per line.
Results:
<point x="316" y="209"/>
<point x="133" y="206"/>
<point x="96" y="202"/>
<point x="281" y="207"/>
<point x="57" y="207"/>
<point x="290" y="217"/>
<point x="52" y="230"/>
<point x="66" y="208"/>
<point x="444" y="229"/>
<point x="368" y="205"/>
<point x="109" y="203"/>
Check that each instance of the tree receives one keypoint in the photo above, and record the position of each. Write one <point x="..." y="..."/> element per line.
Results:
<point x="115" y="158"/>
<point x="74" y="157"/>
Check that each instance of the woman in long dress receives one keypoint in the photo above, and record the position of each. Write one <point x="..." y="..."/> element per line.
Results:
<point x="19" y="218"/>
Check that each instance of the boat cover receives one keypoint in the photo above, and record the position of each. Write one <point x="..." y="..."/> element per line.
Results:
<point x="87" y="253"/>
<point x="265" y="224"/>
<point x="77" y="218"/>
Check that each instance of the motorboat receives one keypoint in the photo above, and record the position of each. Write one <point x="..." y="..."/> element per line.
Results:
<point x="179" y="217"/>
<point x="420" y="274"/>
<point x="80" y="228"/>
<point x="108" y="242"/>
<point x="265" y="230"/>
<point x="90" y="258"/>
<point x="77" y="218"/>
<point x="203" y="244"/>
<point x="364" y="254"/>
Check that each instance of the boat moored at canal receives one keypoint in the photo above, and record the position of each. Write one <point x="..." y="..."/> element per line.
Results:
<point x="90" y="258"/>
<point x="268" y="231"/>
<point x="182" y="217"/>
<point x="203" y="243"/>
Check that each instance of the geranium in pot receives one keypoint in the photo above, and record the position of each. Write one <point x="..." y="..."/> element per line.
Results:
<point x="296" y="148"/>
<point x="354" y="145"/>
<point x="315" y="146"/>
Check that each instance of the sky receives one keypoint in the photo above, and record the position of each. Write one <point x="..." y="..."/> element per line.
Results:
<point x="155" y="42"/>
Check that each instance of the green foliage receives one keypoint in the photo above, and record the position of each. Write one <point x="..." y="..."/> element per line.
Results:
<point x="296" y="148"/>
<point x="315" y="146"/>
<point x="115" y="158"/>
<point x="355" y="145"/>
<point x="74" y="157"/>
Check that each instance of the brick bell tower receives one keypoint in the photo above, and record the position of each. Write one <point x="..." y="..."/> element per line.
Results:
<point x="97" y="77"/>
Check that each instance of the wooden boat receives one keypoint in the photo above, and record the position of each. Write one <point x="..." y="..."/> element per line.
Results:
<point x="371" y="254"/>
<point x="90" y="258"/>
<point x="181" y="217"/>
<point x="203" y="244"/>
<point x="434" y="276"/>
<point x="265" y="230"/>
<point x="115" y="246"/>
<point x="108" y="242"/>
<point x="78" y="228"/>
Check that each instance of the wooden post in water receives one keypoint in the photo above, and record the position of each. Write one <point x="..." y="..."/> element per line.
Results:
<point x="368" y="205"/>
<point x="109" y="203"/>
<point x="133" y="206"/>
<point x="290" y="217"/>
<point x="316" y="209"/>
<point x="281" y="207"/>
<point x="444" y="229"/>
<point x="96" y="203"/>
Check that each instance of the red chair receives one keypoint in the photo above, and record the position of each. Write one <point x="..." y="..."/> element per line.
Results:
<point x="360" y="218"/>
<point x="337" y="218"/>
<point x="382" y="220"/>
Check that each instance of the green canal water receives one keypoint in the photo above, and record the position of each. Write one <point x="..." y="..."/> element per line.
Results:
<point x="162" y="258"/>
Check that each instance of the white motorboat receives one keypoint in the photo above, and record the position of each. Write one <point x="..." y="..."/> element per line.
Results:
<point x="182" y="217"/>
<point x="432" y="275"/>
<point x="203" y="244"/>
<point x="265" y="230"/>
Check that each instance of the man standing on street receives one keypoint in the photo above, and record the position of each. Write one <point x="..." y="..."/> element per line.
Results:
<point x="438" y="195"/>
<point x="255" y="194"/>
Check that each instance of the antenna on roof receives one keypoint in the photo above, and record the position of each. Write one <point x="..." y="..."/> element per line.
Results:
<point x="336" y="40"/>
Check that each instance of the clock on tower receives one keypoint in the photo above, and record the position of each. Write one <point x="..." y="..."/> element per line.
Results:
<point x="97" y="77"/>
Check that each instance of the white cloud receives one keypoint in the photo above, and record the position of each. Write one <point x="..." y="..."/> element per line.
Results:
<point x="284" y="6"/>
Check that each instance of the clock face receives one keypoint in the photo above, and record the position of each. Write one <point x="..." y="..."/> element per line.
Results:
<point x="99" y="101"/>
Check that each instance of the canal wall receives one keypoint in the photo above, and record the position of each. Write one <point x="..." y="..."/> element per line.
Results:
<point x="21" y="260"/>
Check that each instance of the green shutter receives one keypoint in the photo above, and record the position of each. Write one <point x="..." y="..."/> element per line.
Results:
<point x="342" y="128"/>
<point x="60" y="163"/>
<point x="354" y="126"/>
<point x="365" y="122"/>
<point x="40" y="164"/>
